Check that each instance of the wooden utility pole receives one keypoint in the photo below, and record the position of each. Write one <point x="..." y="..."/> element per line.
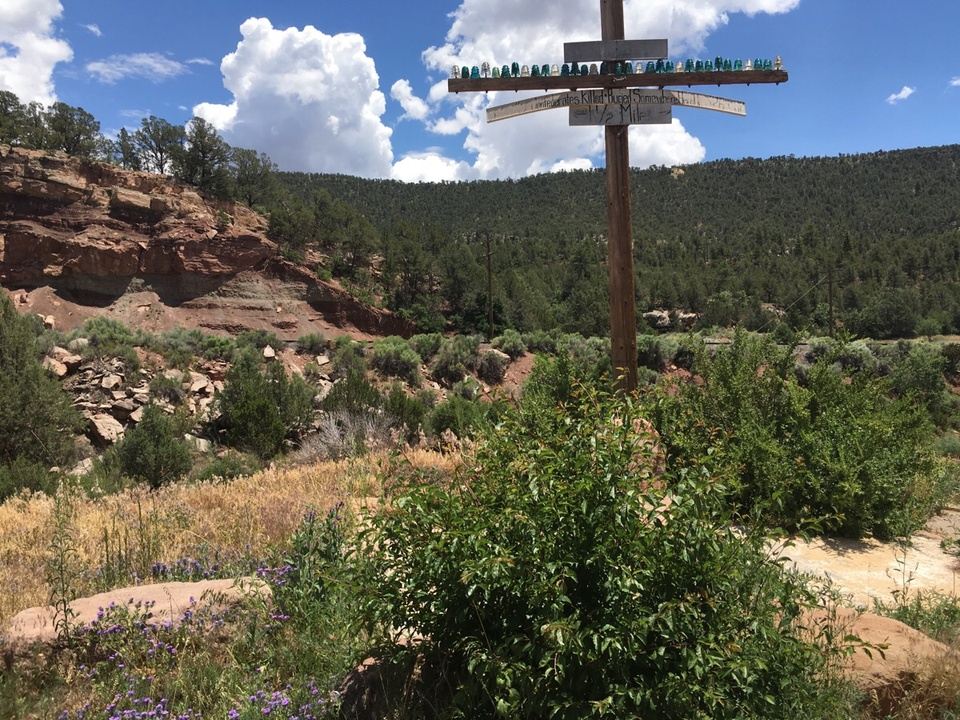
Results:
<point x="623" y="312"/>
<point x="617" y="94"/>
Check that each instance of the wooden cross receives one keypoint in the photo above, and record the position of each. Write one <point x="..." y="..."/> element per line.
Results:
<point x="617" y="100"/>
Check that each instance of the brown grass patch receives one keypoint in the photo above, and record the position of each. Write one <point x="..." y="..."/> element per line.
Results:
<point x="248" y="517"/>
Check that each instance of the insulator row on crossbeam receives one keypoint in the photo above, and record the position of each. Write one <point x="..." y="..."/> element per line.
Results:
<point x="619" y="69"/>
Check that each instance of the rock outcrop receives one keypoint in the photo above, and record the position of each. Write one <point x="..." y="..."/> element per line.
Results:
<point x="93" y="235"/>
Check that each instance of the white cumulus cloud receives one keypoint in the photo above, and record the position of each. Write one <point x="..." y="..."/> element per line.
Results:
<point x="429" y="167"/>
<point x="502" y="31"/>
<point x="93" y="29"/>
<point x="955" y="82"/>
<point x="148" y="66"/>
<point x="29" y="48"/>
<point x="899" y="97"/>
<point x="413" y="107"/>
<point x="310" y="100"/>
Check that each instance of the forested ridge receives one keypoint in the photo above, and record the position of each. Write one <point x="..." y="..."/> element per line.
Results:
<point x="719" y="238"/>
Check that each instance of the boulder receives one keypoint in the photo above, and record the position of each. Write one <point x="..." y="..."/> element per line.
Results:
<point x="32" y="631"/>
<point x="111" y="382"/>
<point x="56" y="367"/>
<point x="198" y="444"/>
<point x="104" y="429"/>
<point x="49" y="322"/>
<point x="81" y="468"/>
<point x="199" y="383"/>
<point x="658" y="319"/>
<point x="174" y="374"/>
<point x="137" y="415"/>
<point x="269" y="353"/>
<point x="69" y="359"/>
<point x="323" y="360"/>
<point x="78" y="344"/>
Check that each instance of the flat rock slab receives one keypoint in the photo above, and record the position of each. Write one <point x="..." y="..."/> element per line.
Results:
<point x="35" y="626"/>
<point x="868" y="570"/>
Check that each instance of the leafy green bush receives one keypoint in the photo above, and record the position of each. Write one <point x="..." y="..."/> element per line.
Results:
<point x="180" y="345"/>
<point x="468" y="389"/>
<point x="316" y="558"/>
<point x="154" y="451"/>
<point x="919" y="376"/>
<point x="408" y="413"/>
<point x="456" y="357"/>
<point x="262" y="408"/>
<point x="348" y="358"/>
<point x="932" y="613"/>
<point x="555" y="577"/>
<point x="167" y="388"/>
<point x="951" y="354"/>
<point x="835" y="449"/>
<point x="229" y="466"/>
<point x="258" y="340"/>
<point x="22" y="474"/>
<point x="427" y="345"/>
<point x="656" y="351"/>
<point x="462" y="417"/>
<point x="394" y="357"/>
<point x="511" y="343"/>
<point x="589" y="356"/>
<point x="492" y="367"/>
<point x="312" y="344"/>
<point x="110" y="338"/>
<point x="541" y="341"/>
<point x="948" y="445"/>
<point x="37" y="419"/>
<point x="353" y="394"/>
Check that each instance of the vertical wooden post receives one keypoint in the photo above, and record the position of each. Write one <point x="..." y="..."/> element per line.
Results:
<point x="623" y="312"/>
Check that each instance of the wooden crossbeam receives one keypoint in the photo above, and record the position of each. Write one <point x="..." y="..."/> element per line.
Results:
<point x="611" y="82"/>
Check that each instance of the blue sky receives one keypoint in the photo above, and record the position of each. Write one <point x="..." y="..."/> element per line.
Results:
<point x="332" y="102"/>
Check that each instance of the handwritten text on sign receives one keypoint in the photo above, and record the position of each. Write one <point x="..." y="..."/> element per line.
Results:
<point x="636" y="96"/>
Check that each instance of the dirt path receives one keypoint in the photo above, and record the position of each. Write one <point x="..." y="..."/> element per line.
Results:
<point x="867" y="570"/>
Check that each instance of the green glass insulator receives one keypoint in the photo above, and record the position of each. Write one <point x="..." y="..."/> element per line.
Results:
<point x="727" y="66"/>
<point x="545" y="70"/>
<point x="535" y="71"/>
<point x="651" y="68"/>
<point x="738" y="65"/>
<point x="515" y="70"/>
<point x="465" y="73"/>
<point x="618" y="69"/>
<point x="768" y="64"/>
<point x="628" y="68"/>
<point x="604" y="68"/>
<point x="584" y="70"/>
<point x="688" y="65"/>
<point x="698" y="66"/>
<point x="669" y="66"/>
<point x="565" y="70"/>
<point x="718" y="62"/>
<point x="660" y="66"/>
<point x="505" y="71"/>
<point x="708" y="66"/>
<point x="757" y="64"/>
<point x="474" y="73"/>
<point x="496" y="72"/>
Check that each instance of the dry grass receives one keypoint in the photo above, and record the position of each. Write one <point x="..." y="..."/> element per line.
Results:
<point x="247" y="517"/>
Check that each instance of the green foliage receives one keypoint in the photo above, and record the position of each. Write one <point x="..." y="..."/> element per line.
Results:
<point x="258" y="339"/>
<point x="37" y="419"/>
<point x="511" y="343"/>
<point x="348" y="358"/>
<point x="456" y="357"/>
<point x="948" y="445"/>
<point x="180" y="345"/>
<point x="167" y="388"/>
<point x="932" y="613"/>
<point x="460" y="416"/>
<point x="154" y="452"/>
<point x="834" y="449"/>
<point x="589" y="356"/>
<point x="408" y="413"/>
<point x="203" y="159"/>
<point x="541" y="341"/>
<point x="492" y="367"/>
<point x="261" y="408"/>
<point x="468" y="389"/>
<point x="426" y="345"/>
<point x="919" y="376"/>
<point x="394" y="357"/>
<point x="315" y="560"/>
<point x="158" y="143"/>
<point x="353" y="394"/>
<point x="555" y="578"/>
<point x="312" y="344"/>
<point x="21" y="475"/>
<point x="228" y="466"/>
<point x="656" y="351"/>
<point x="110" y="338"/>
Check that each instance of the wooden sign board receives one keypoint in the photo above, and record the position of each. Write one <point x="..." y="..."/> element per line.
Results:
<point x="626" y="114"/>
<point x="634" y="96"/>
<point x="614" y="50"/>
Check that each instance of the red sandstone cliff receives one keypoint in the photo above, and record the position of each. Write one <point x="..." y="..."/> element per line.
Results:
<point x="81" y="238"/>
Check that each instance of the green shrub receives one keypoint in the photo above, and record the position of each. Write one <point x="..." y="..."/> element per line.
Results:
<point x="394" y="357"/>
<point x="932" y="613"/>
<point x="573" y="586"/>
<point x="656" y="351"/>
<point x="541" y="341"/>
<point x="110" y="338"/>
<point x="316" y="560"/>
<point x="492" y="367"/>
<point x="589" y="356"/>
<point x="262" y="408"/>
<point x="456" y="357"/>
<point x="511" y="343"/>
<point x="258" y="340"/>
<point x="427" y="345"/>
<point x="461" y="417"/>
<point x="167" y="388"/>
<point x="312" y="344"/>
<point x="23" y="474"/>
<point x="347" y="358"/>
<point x="229" y="466"/>
<point x="180" y="345"/>
<point x="951" y="354"/>
<point x="353" y="394"/>
<point x="948" y="445"/>
<point x="919" y="376"/>
<point x="154" y="451"/>
<point x="408" y="413"/>
<point x="37" y="419"/>
<point x="835" y="449"/>
<point x="468" y="389"/>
